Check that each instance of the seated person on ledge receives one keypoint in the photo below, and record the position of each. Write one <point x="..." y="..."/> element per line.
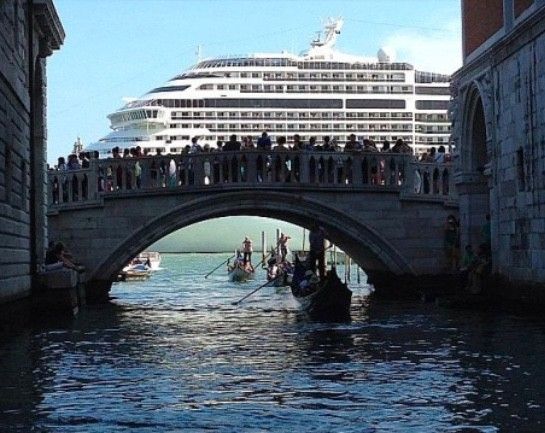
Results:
<point x="59" y="255"/>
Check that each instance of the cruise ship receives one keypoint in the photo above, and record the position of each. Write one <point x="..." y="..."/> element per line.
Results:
<point x="317" y="93"/>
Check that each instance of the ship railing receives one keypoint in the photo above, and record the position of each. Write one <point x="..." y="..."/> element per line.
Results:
<point x="373" y="171"/>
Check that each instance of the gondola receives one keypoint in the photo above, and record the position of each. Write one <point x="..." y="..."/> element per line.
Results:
<point x="238" y="273"/>
<point x="279" y="274"/>
<point x="327" y="300"/>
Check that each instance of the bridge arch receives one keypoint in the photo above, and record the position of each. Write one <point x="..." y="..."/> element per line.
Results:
<point x="476" y="150"/>
<point x="363" y="243"/>
<point x="476" y="140"/>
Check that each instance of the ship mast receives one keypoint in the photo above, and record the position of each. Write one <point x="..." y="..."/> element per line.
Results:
<point x="323" y="47"/>
<point x="331" y="30"/>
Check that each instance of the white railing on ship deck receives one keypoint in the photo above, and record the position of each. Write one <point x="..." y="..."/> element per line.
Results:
<point x="392" y="172"/>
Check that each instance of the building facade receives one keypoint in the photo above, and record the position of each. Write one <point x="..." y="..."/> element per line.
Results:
<point x="29" y="32"/>
<point x="498" y="114"/>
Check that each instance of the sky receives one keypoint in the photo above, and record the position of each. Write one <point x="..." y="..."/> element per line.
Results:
<point x="199" y="237"/>
<point x="124" y="48"/>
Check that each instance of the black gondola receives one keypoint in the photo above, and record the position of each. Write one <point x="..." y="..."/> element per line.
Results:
<point x="327" y="300"/>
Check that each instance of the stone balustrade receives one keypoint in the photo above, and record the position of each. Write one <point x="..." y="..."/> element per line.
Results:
<point x="253" y="169"/>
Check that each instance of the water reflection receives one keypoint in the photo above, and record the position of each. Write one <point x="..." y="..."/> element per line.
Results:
<point x="176" y="355"/>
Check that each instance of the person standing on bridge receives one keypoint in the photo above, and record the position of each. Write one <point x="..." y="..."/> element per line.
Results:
<point x="264" y="142"/>
<point x="316" y="239"/>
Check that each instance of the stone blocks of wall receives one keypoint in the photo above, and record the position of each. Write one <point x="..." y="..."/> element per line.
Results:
<point x="23" y="223"/>
<point x="513" y="96"/>
<point x="519" y="189"/>
<point x="14" y="154"/>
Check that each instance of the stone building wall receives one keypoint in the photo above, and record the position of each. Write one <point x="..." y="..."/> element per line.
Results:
<point x="500" y="128"/>
<point x="519" y="189"/>
<point x="24" y="45"/>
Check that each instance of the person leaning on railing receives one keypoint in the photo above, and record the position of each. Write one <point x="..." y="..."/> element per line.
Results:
<point x="401" y="147"/>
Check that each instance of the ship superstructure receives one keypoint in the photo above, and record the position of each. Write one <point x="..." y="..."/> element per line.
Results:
<point x="321" y="92"/>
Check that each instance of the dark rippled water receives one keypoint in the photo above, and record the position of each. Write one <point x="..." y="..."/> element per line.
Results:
<point x="172" y="354"/>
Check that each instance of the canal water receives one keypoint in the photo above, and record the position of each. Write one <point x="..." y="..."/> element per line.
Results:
<point x="172" y="354"/>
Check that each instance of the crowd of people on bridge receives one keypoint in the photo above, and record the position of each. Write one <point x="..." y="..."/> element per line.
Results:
<point x="353" y="145"/>
<point x="169" y="172"/>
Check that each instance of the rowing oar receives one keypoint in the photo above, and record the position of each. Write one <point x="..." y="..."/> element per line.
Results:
<point x="255" y="290"/>
<point x="262" y="260"/>
<point x="217" y="267"/>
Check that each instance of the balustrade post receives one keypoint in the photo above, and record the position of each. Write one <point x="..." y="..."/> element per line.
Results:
<point x="356" y="169"/>
<point x="50" y="189"/>
<point x="335" y="167"/>
<point x="409" y="168"/>
<point x="251" y="167"/>
<point x="69" y="188"/>
<point x="280" y="176"/>
<point x="452" y="191"/>
<point x="61" y="189"/>
<point x="92" y="180"/>
<point x="304" y="161"/>
<point x="440" y="179"/>
<point x="198" y="170"/>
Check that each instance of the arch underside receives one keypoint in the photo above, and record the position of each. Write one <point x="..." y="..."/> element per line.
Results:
<point x="475" y="131"/>
<point x="367" y="247"/>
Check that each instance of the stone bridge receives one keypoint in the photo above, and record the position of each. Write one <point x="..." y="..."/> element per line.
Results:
<point x="387" y="211"/>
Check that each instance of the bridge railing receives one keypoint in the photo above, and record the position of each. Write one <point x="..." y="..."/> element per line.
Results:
<point x="253" y="168"/>
<point x="430" y="180"/>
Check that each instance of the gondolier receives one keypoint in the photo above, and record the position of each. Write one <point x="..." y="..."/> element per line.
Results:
<point x="316" y="238"/>
<point x="247" y="249"/>
<point x="283" y="244"/>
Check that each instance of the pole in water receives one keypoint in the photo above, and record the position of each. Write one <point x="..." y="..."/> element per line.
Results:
<point x="358" y="269"/>
<point x="345" y="268"/>
<point x="277" y="243"/>
<point x="304" y="236"/>
<point x="263" y="245"/>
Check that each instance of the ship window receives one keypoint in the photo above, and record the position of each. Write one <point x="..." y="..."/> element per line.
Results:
<point x="432" y="105"/>
<point x="274" y="103"/>
<point x="375" y="103"/>
<point x="424" y="90"/>
<point x="168" y="89"/>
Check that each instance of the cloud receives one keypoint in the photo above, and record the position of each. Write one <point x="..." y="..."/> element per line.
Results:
<point x="438" y="51"/>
